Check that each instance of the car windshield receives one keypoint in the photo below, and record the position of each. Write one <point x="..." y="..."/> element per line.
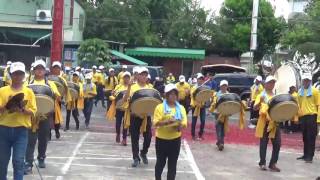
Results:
<point x="236" y="81"/>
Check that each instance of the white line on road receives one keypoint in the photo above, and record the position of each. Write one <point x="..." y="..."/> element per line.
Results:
<point x="106" y="158"/>
<point x="192" y="162"/>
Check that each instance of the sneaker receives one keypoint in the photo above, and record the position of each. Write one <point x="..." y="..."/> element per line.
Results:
<point x="41" y="163"/>
<point x="124" y="142"/>
<point x="144" y="158"/>
<point x="251" y="126"/>
<point x="200" y="138"/>
<point x="87" y="126"/>
<point x="27" y="169"/>
<point x="308" y="160"/>
<point x="118" y="138"/>
<point x="58" y="135"/>
<point x="220" y="147"/>
<point x="135" y="163"/>
<point x="274" y="168"/>
<point x="263" y="167"/>
<point x="301" y="158"/>
<point x="66" y="129"/>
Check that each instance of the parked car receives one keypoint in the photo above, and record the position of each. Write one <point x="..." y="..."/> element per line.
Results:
<point x="239" y="83"/>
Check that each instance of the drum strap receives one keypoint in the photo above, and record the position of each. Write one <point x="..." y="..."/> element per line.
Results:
<point x="45" y="81"/>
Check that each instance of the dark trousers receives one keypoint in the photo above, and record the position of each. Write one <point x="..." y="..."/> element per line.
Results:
<point x="309" y="133"/>
<point x="254" y="114"/>
<point x="87" y="109"/>
<point x="135" y="125"/>
<point x="276" y="144"/>
<point x="185" y="103"/>
<point x="13" y="140"/>
<point x="75" y="115"/>
<point x="42" y="135"/>
<point x="219" y="131"/>
<point x="119" y="120"/>
<point x="202" y="122"/>
<point x="167" y="149"/>
<point x="100" y="94"/>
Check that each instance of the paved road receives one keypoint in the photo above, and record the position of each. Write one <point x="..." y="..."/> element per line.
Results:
<point x="94" y="155"/>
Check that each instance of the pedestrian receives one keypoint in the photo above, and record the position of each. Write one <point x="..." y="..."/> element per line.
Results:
<point x="169" y="119"/>
<point x="266" y="127"/>
<point x="110" y="83"/>
<point x="184" y="92"/>
<point x="256" y="89"/>
<point x="14" y="125"/>
<point x="89" y="93"/>
<point x="308" y="99"/>
<point x="40" y="130"/>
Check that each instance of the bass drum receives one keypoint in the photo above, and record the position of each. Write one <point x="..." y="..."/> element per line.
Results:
<point x="119" y="100"/>
<point x="229" y="104"/>
<point x="74" y="90"/>
<point x="144" y="101"/>
<point x="44" y="98"/>
<point x="203" y="94"/>
<point x="286" y="76"/>
<point x="282" y="107"/>
<point x="62" y="88"/>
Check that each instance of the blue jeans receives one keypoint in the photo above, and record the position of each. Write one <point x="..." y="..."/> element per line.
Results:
<point x="14" y="139"/>
<point x="87" y="109"/>
<point x="202" y="122"/>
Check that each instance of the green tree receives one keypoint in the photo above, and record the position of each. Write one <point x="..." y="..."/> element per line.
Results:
<point x="94" y="51"/>
<point x="235" y="27"/>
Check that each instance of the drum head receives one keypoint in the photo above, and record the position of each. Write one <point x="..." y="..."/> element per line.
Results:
<point x="203" y="95"/>
<point x="74" y="93"/>
<point x="144" y="106"/>
<point x="283" y="111"/>
<point x="45" y="104"/>
<point x="286" y="76"/>
<point x="119" y="100"/>
<point x="228" y="108"/>
<point x="74" y="90"/>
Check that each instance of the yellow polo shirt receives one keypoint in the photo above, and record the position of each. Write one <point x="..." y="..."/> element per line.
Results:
<point x="309" y="105"/>
<point x="182" y="89"/>
<point x="112" y="84"/>
<point x="89" y="89"/>
<point x="120" y="78"/>
<point x="256" y="91"/>
<point x="17" y="119"/>
<point x="168" y="132"/>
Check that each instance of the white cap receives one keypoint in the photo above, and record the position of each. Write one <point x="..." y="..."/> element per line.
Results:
<point x="98" y="71"/>
<point x="88" y="76"/>
<point x="149" y="77"/>
<point x="200" y="75"/>
<point x="32" y="65"/>
<point x="126" y="74"/>
<point x="135" y="69"/>
<point x="76" y="73"/>
<point x="67" y="68"/>
<point x="170" y="87"/>
<point x="182" y="78"/>
<point x="224" y="82"/>
<point x="306" y="76"/>
<point x="82" y="69"/>
<point x="17" y="66"/>
<point x="94" y="67"/>
<point x="143" y="69"/>
<point x="101" y="67"/>
<point x="56" y="63"/>
<point x="170" y="74"/>
<point x="78" y="68"/>
<point x="258" y="78"/>
<point x="270" y="78"/>
<point x="111" y="69"/>
<point x="39" y="63"/>
<point x="9" y="63"/>
<point x="124" y="66"/>
<point x="157" y="78"/>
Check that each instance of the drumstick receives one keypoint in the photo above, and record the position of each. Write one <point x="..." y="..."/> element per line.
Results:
<point x="204" y="83"/>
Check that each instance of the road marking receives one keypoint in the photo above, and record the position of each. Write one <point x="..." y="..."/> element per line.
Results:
<point x="192" y="162"/>
<point x="106" y="158"/>
<point x="67" y="165"/>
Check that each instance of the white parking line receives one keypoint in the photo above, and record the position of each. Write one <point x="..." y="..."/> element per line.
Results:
<point x="192" y="162"/>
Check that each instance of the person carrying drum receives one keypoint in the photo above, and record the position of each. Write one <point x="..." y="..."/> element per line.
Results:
<point x="198" y="109"/>
<point x="256" y="89"/>
<point x="120" y="74"/>
<point x="266" y="127"/>
<point x="139" y="124"/>
<point x="308" y="99"/>
<point x="89" y="91"/>
<point x="170" y="79"/>
<point x="81" y="76"/>
<point x="110" y="83"/>
<point x="14" y="125"/>
<point x="119" y="112"/>
<point x="41" y="125"/>
<point x="169" y="119"/>
<point x="99" y="80"/>
<point x="184" y="92"/>
<point x="76" y="104"/>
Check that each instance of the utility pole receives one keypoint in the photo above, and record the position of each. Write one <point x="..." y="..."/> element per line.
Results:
<point x="254" y="29"/>
<point x="57" y="31"/>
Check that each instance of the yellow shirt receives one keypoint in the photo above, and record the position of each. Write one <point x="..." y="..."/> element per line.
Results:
<point x="112" y="84"/>
<point x="119" y="88"/>
<point x="50" y="83"/>
<point x="98" y="78"/>
<point x="120" y="78"/>
<point x="309" y="105"/>
<point x="136" y="87"/>
<point x="171" y="79"/>
<point x="256" y="91"/>
<point x="89" y="89"/>
<point x="193" y="102"/>
<point x="168" y="132"/>
<point x="182" y="89"/>
<point x="17" y="119"/>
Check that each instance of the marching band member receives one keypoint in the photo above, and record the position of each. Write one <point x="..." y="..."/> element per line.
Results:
<point x="40" y="128"/>
<point x="308" y="100"/>
<point x="75" y="104"/>
<point x="98" y="79"/>
<point x="89" y="91"/>
<point x="169" y="119"/>
<point x="120" y="75"/>
<point x="198" y="109"/>
<point x="110" y="83"/>
<point x="184" y="92"/>
<point x="139" y="124"/>
<point x="135" y="74"/>
<point x="15" y="122"/>
<point x="120" y="113"/>
<point x="81" y="77"/>
<point x="256" y="89"/>
<point x="266" y="127"/>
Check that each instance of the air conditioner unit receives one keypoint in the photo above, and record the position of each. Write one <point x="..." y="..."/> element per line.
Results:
<point x="44" y="16"/>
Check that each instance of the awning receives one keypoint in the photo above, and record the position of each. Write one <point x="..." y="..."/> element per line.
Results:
<point x="25" y="32"/>
<point x="128" y="58"/>
<point x="167" y="52"/>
